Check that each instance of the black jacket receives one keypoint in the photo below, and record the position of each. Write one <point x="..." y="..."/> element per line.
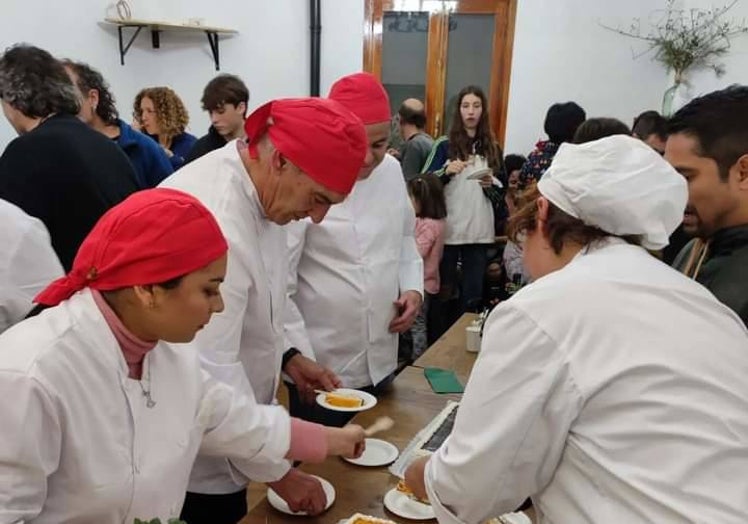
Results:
<point x="724" y="270"/>
<point x="205" y="145"/>
<point x="67" y="175"/>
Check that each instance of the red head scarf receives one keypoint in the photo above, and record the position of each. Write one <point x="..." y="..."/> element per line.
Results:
<point x="151" y="237"/>
<point x="319" y="136"/>
<point x="364" y="96"/>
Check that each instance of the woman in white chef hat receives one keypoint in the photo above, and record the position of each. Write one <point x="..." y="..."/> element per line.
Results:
<point x="612" y="389"/>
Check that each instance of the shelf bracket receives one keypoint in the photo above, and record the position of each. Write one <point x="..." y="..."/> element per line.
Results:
<point x="155" y="38"/>
<point x="213" y="41"/>
<point x="124" y="48"/>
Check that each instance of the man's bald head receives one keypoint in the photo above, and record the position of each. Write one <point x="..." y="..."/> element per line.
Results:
<point x="413" y="104"/>
<point x="413" y="112"/>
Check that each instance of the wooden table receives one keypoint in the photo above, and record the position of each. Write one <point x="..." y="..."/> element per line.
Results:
<point x="449" y="351"/>
<point x="412" y="404"/>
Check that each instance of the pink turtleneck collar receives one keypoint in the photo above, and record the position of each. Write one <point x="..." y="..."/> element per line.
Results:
<point x="133" y="349"/>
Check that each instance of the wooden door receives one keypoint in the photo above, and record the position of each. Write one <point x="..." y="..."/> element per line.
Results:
<point x="430" y="49"/>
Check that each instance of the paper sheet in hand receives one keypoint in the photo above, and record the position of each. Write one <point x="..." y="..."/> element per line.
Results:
<point x="480" y="173"/>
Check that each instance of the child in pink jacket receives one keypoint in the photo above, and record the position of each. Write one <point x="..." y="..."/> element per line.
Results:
<point x="427" y="194"/>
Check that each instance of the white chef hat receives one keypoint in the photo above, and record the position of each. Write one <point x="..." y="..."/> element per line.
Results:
<point x="620" y="185"/>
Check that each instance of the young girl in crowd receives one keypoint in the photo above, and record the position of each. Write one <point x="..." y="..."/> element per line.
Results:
<point x="514" y="164"/>
<point x="427" y="195"/>
<point x="470" y="146"/>
<point x="160" y="113"/>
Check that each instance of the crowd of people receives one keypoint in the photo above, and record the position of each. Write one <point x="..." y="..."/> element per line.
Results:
<point x="159" y="288"/>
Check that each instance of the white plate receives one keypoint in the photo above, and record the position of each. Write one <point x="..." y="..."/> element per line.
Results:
<point x="369" y="400"/>
<point x="281" y="505"/>
<point x="515" y="518"/>
<point x="377" y="453"/>
<point x="480" y="173"/>
<point x="403" y="506"/>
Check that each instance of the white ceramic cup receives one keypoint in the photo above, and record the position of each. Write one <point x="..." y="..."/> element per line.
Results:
<point x="472" y="338"/>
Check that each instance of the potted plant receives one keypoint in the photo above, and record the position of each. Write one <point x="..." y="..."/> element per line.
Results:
<point x="685" y="39"/>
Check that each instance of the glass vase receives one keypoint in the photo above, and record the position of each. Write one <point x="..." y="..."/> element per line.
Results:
<point x="667" y="100"/>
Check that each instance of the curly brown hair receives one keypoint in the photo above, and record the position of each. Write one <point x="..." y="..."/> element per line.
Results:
<point x="170" y="111"/>
<point x="559" y="226"/>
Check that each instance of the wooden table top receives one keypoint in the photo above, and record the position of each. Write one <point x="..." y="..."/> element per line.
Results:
<point x="449" y="351"/>
<point x="412" y="404"/>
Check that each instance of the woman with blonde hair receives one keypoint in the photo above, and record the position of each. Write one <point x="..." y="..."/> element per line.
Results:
<point x="160" y="113"/>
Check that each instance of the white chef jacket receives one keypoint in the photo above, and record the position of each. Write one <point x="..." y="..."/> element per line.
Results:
<point x="243" y="345"/>
<point x="469" y="211"/>
<point x="612" y="391"/>
<point x="345" y="274"/>
<point x="79" y="445"/>
<point x="27" y="263"/>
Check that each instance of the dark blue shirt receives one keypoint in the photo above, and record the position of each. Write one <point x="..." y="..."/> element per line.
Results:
<point x="180" y="148"/>
<point x="149" y="160"/>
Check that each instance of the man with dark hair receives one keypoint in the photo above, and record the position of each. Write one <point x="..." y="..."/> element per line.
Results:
<point x="225" y="99"/>
<point x="98" y="111"/>
<point x="651" y="127"/>
<point x="561" y="122"/>
<point x="58" y="170"/>
<point x="596" y="128"/>
<point x="708" y="145"/>
<point x="417" y="143"/>
<point x="513" y="163"/>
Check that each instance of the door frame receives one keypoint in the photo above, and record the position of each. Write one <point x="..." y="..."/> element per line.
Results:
<point x="505" y="13"/>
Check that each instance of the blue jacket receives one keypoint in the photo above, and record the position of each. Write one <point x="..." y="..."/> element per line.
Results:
<point x="149" y="160"/>
<point x="180" y="148"/>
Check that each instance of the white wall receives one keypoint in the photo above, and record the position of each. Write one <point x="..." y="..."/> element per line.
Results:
<point x="342" y="39"/>
<point x="271" y="51"/>
<point x="562" y="53"/>
<point x="736" y="61"/>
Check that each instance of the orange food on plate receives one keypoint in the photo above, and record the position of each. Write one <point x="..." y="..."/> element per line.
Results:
<point x="342" y="400"/>
<point x="403" y="488"/>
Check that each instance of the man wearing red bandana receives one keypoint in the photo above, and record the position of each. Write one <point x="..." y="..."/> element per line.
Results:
<point x="303" y="155"/>
<point x="356" y="280"/>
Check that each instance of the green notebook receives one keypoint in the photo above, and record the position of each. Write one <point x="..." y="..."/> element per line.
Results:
<point x="443" y="380"/>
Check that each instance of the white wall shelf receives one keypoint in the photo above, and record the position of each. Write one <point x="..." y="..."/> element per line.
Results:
<point x="156" y="27"/>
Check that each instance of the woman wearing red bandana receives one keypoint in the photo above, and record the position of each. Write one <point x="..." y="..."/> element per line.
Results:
<point x="107" y="416"/>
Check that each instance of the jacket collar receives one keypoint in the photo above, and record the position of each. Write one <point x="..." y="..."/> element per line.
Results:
<point x="127" y="136"/>
<point x="729" y="239"/>
<point x="92" y="324"/>
<point x="214" y="134"/>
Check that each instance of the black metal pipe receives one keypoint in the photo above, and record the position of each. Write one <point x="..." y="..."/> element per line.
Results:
<point x="315" y="26"/>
